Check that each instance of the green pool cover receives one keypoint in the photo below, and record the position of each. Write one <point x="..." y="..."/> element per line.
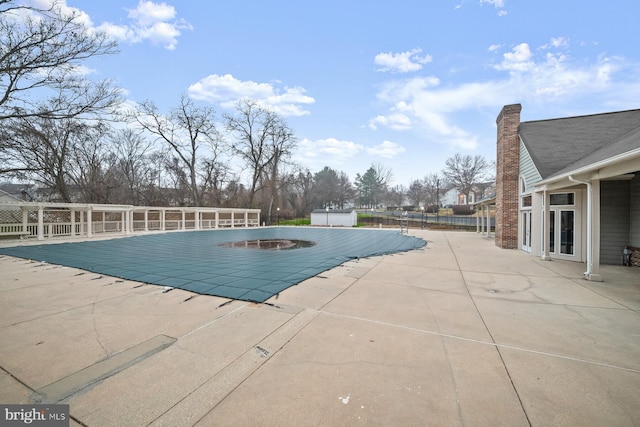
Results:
<point x="226" y="263"/>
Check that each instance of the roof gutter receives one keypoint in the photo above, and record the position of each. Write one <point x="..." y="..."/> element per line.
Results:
<point x="587" y="273"/>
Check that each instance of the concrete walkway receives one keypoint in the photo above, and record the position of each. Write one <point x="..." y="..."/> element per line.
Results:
<point x="458" y="333"/>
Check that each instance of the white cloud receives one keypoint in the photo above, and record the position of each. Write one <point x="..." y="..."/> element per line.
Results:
<point x="541" y="78"/>
<point x="227" y="90"/>
<point x="498" y="4"/>
<point x="396" y="121"/>
<point x="403" y="62"/>
<point x="329" y="150"/>
<point x="337" y="152"/>
<point x="61" y="5"/>
<point x="556" y="43"/>
<point x="153" y="22"/>
<point x="148" y="13"/>
<point x="559" y="42"/>
<point x="387" y="149"/>
<point x="517" y="60"/>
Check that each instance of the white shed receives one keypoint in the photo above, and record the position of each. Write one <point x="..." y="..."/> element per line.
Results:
<point x="334" y="217"/>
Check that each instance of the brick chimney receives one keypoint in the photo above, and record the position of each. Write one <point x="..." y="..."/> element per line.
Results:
<point x="507" y="176"/>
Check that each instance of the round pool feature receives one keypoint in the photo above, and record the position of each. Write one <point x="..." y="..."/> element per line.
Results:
<point x="270" y="244"/>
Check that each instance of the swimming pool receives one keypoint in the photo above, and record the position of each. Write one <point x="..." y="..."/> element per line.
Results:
<point x="250" y="264"/>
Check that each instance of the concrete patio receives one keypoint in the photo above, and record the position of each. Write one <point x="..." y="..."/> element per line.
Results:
<point x="458" y="333"/>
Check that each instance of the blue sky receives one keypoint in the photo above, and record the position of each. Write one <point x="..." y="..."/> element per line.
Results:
<point x="404" y="84"/>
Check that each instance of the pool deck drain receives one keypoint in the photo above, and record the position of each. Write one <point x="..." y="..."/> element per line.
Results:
<point x="411" y="339"/>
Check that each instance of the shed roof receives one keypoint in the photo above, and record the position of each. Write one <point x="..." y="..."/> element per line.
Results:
<point x="333" y="211"/>
<point x="560" y="145"/>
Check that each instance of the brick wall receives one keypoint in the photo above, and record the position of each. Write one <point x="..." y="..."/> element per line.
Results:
<point x="507" y="176"/>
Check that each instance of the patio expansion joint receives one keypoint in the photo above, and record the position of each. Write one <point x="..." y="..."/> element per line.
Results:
<point x="552" y="304"/>
<point x="70" y="309"/>
<point x="486" y="327"/>
<point x="481" y="342"/>
<point x="22" y="383"/>
<point x="215" y="389"/>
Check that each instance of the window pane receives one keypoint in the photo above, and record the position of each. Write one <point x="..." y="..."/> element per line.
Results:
<point x="566" y="232"/>
<point x="561" y="199"/>
<point x="526" y="201"/>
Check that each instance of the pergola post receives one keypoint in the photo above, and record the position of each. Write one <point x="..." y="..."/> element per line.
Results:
<point x="89" y="223"/>
<point x="233" y="220"/>
<point x="73" y="223"/>
<point x="488" y="220"/>
<point x="126" y="219"/>
<point x="25" y="219"/>
<point x="40" y="223"/>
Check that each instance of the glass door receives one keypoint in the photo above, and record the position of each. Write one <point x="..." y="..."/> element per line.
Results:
<point x="567" y="228"/>
<point x="526" y="231"/>
<point x="562" y="225"/>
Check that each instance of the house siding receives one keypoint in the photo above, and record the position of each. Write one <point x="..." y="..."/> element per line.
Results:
<point x="634" y="234"/>
<point x="615" y="219"/>
<point x="334" y="219"/>
<point x="528" y="169"/>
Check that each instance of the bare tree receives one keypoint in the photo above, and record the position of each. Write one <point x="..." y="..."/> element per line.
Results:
<point x="434" y="187"/>
<point x="281" y="143"/>
<point x="301" y="195"/>
<point x="92" y="171"/>
<point x="41" y="51"/>
<point x="49" y="151"/>
<point x="133" y="167"/>
<point x="184" y="132"/>
<point x="346" y="192"/>
<point x="463" y="172"/>
<point x="395" y="196"/>
<point x="214" y="174"/>
<point x="416" y="192"/>
<point x="262" y="141"/>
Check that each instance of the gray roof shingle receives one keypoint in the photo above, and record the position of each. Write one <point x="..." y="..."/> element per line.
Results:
<point x="566" y="144"/>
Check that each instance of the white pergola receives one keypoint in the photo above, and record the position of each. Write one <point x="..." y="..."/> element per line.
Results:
<point x="483" y="215"/>
<point x="45" y="220"/>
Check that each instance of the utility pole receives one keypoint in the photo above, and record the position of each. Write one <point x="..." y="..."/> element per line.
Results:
<point x="437" y="199"/>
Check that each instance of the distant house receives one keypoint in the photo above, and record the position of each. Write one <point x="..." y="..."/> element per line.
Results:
<point x="6" y="197"/>
<point x="478" y="191"/>
<point x="569" y="188"/>
<point x="21" y="192"/>
<point x="334" y="217"/>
